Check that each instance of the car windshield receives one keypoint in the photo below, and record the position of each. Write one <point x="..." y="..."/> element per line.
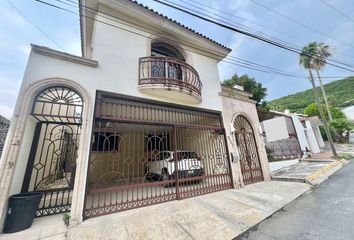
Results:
<point x="164" y="155"/>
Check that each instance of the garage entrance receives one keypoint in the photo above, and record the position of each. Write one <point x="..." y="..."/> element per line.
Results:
<point x="145" y="152"/>
<point x="248" y="151"/>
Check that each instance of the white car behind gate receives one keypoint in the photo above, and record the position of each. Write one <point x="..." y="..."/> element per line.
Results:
<point x="163" y="167"/>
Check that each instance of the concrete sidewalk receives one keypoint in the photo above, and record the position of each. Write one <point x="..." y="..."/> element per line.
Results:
<point x="219" y="215"/>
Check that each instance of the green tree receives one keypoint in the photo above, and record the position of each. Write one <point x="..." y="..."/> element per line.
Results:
<point x="312" y="110"/>
<point x="250" y="85"/>
<point x="319" y="61"/>
<point x="342" y="126"/>
<point x="306" y="60"/>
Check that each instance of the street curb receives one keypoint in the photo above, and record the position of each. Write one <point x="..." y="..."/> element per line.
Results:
<point x="319" y="174"/>
<point x="322" y="174"/>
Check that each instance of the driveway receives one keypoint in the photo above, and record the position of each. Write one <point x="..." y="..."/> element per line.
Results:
<point x="300" y="171"/>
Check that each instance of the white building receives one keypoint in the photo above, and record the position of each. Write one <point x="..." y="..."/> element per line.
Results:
<point x="86" y="130"/>
<point x="289" y="136"/>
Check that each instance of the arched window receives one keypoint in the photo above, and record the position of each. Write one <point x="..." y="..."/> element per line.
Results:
<point x="162" y="68"/>
<point x="161" y="49"/>
<point x="58" y="104"/>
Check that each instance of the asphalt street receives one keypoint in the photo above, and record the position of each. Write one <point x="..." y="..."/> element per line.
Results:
<point x="325" y="213"/>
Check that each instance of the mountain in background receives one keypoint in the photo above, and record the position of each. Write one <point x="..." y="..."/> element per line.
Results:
<point x="340" y="93"/>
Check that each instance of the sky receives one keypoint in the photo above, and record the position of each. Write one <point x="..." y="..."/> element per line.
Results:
<point x="27" y="21"/>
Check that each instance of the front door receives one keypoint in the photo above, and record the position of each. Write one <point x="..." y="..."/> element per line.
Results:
<point x="249" y="160"/>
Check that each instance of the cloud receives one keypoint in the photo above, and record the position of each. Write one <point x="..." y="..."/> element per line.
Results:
<point x="6" y="111"/>
<point x="25" y="49"/>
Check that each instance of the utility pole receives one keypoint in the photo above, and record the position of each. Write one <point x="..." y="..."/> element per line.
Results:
<point x="324" y="97"/>
<point x="329" y="136"/>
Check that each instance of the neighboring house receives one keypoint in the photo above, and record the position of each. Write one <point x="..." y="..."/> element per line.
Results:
<point x="289" y="136"/>
<point x="136" y="121"/>
<point x="4" y="127"/>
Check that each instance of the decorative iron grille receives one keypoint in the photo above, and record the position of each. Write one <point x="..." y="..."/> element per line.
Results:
<point x="288" y="148"/>
<point x="127" y="109"/>
<point x="58" y="104"/>
<point x="4" y="128"/>
<point x="150" y="153"/>
<point x="52" y="159"/>
<point x="249" y="160"/>
<point x="170" y="72"/>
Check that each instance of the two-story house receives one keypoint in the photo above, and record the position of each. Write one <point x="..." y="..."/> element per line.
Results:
<point x="137" y="120"/>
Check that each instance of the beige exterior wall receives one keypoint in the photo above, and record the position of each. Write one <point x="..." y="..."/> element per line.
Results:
<point x="236" y="102"/>
<point x="23" y="156"/>
<point x="117" y="52"/>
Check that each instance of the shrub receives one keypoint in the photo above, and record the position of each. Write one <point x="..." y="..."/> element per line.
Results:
<point x="66" y="219"/>
<point x="342" y="127"/>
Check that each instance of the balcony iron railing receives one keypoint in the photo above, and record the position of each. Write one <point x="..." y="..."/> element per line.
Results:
<point x="170" y="72"/>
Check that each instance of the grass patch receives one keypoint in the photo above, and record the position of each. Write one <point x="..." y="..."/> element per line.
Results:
<point x="345" y="156"/>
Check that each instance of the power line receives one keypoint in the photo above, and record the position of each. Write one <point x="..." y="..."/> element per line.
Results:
<point x="300" y="23"/>
<point x="232" y="15"/>
<point x="36" y="26"/>
<point x="221" y="18"/>
<point x="272" y="42"/>
<point x="338" y="11"/>
<point x="232" y="60"/>
<point x="291" y="49"/>
<point x="246" y="20"/>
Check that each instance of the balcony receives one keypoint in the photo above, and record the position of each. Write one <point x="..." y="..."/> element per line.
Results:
<point x="169" y="78"/>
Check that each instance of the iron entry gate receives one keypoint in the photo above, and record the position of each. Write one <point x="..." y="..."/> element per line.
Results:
<point x="249" y="160"/>
<point x="52" y="159"/>
<point x="51" y="166"/>
<point x="144" y="153"/>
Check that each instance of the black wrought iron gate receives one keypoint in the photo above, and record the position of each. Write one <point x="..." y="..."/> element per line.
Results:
<point x="145" y="152"/>
<point x="249" y="160"/>
<point x="51" y="166"/>
<point x="52" y="158"/>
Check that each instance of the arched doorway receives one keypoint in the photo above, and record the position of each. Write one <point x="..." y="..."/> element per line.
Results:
<point x="249" y="159"/>
<point x="52" y="158"/>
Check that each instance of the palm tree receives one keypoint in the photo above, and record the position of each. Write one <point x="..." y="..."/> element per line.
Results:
<point x="319" y="61"/>
<point x="307" y="56"/>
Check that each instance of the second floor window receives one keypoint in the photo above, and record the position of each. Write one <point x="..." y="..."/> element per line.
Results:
<point x="166" y="69"/>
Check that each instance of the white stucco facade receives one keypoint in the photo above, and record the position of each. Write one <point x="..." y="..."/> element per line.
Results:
<point x="111" y="64"/>
<point x="311" y="138"/>
<point x="301" y="135"/>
